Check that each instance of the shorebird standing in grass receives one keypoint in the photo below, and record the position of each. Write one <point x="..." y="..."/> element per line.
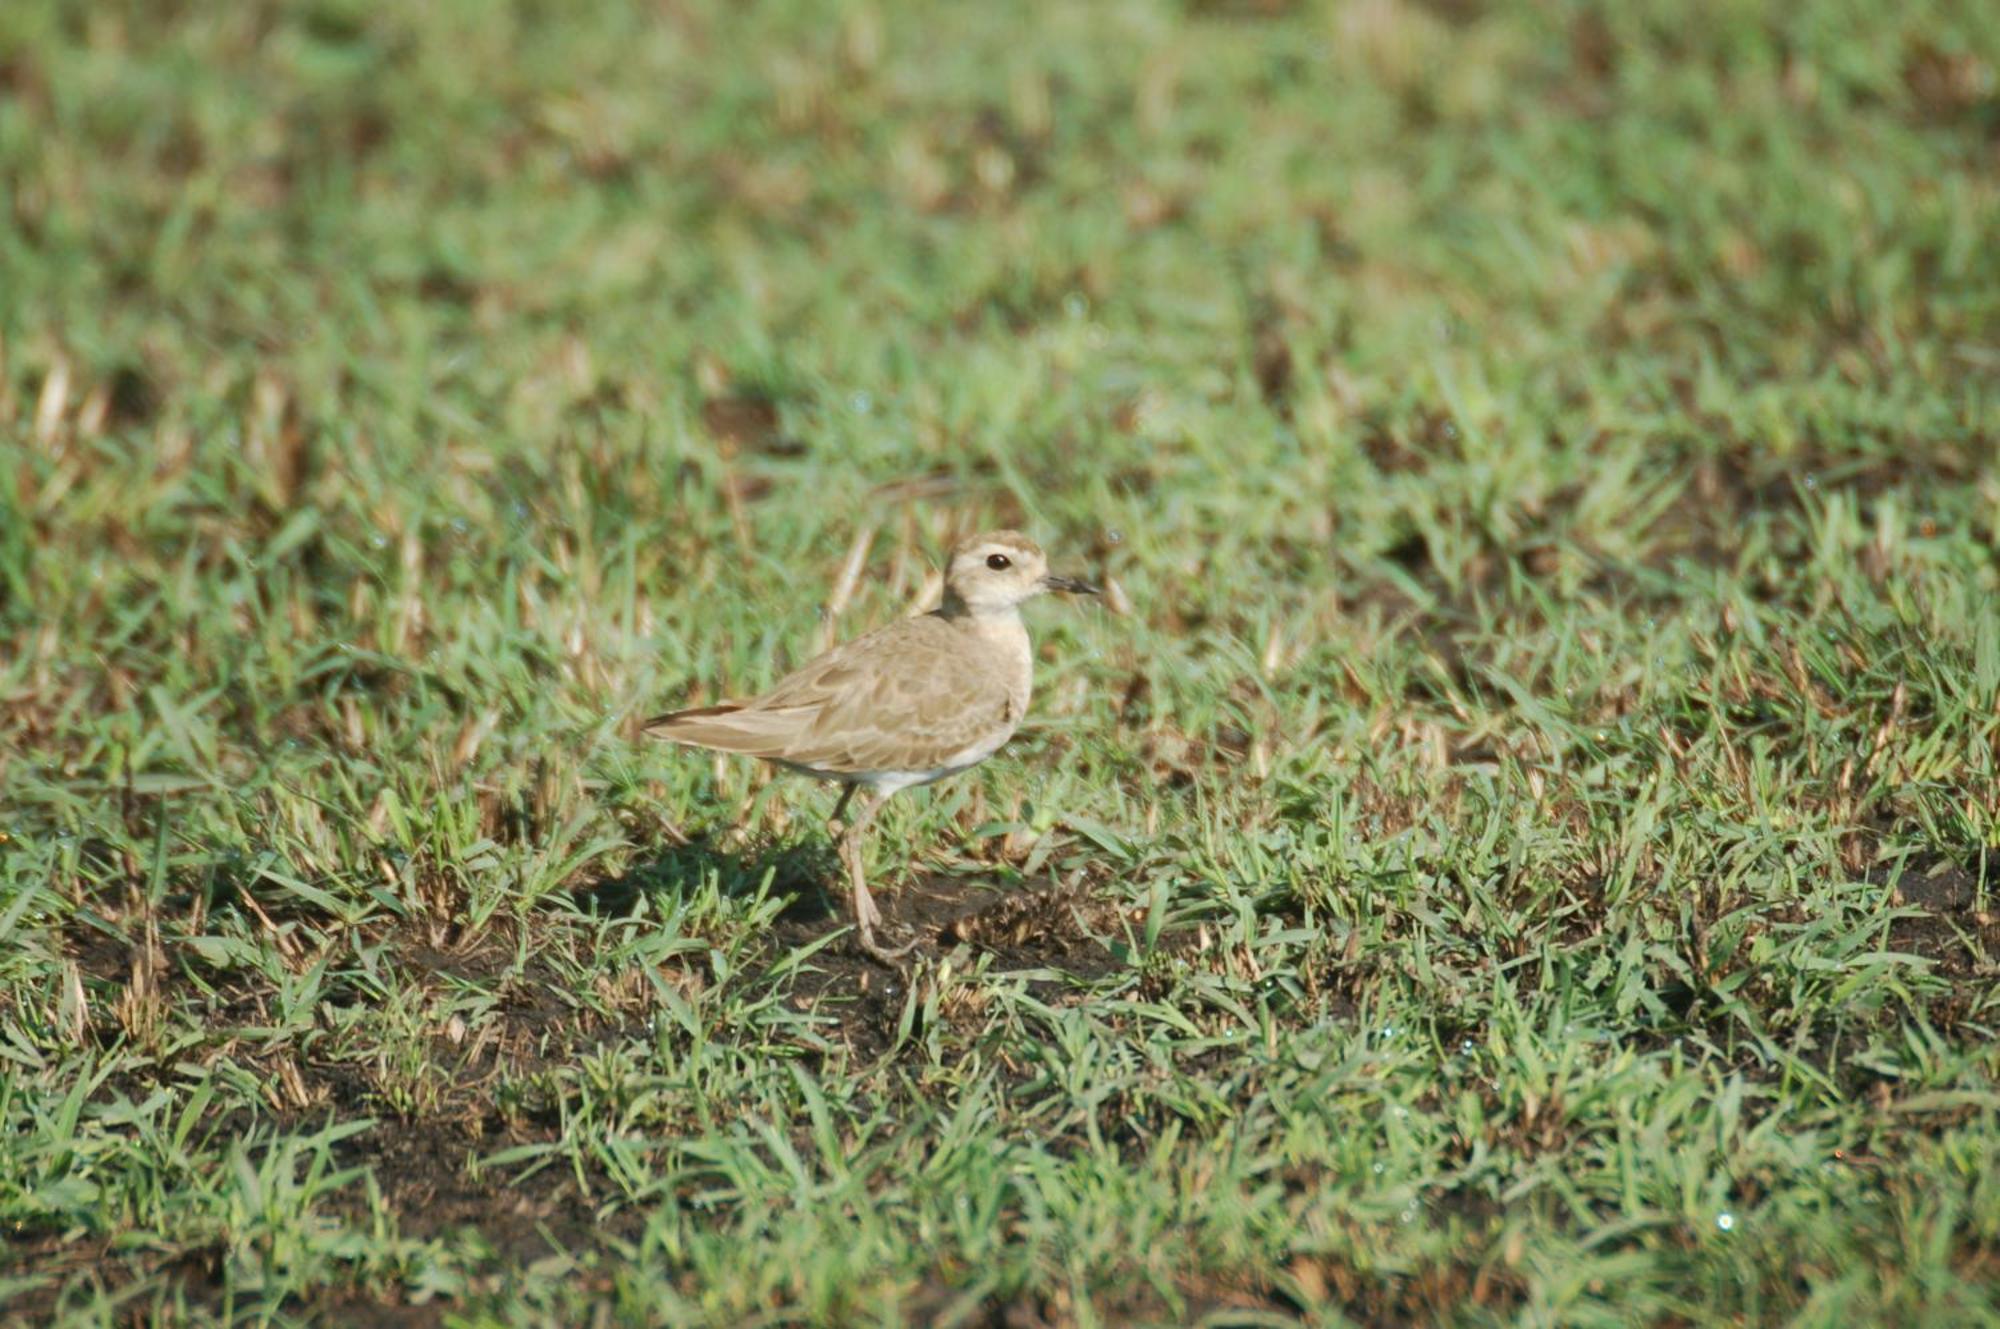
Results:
<point x="904" y="705"/>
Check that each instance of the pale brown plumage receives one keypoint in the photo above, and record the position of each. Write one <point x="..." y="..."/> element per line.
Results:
<point x="908" y="697"/>
<point x="910" y="702"/>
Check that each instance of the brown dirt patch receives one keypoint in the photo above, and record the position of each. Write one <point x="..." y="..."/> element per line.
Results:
<point x="1952" y="916"/>
<point x="1048" y="930"/>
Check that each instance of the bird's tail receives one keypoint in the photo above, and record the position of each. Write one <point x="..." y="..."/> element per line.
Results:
<point x="730" y="727"/>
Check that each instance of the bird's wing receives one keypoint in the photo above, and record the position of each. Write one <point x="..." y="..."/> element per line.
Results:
<point x="907" y="696"/>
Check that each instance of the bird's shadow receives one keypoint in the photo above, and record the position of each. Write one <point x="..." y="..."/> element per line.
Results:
<point x="1035" y="924"/>
<point x="802" y="869"/>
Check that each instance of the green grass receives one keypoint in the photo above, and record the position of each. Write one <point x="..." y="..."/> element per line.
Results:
<point x="1528" y="855"/>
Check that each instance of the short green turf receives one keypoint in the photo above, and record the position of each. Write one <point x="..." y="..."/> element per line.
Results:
<point x="1530" y="854"/>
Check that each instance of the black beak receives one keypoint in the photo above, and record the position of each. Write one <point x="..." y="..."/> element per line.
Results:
<point x="1069" y="584"/>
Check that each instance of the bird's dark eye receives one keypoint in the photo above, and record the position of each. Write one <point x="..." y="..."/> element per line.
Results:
<point x="999" y="562"/>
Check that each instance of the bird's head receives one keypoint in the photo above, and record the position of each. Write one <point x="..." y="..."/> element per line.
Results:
<point x="996" y="570"/>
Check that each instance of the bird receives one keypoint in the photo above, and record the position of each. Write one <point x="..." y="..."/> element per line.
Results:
<point x="909" y="703"/>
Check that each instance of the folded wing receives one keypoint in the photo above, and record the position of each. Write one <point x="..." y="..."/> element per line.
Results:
<point x="888" y="701"/>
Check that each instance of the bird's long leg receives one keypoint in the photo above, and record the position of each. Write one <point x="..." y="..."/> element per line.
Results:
<point x="834" y="825"/>
<point x="866" y="916"/>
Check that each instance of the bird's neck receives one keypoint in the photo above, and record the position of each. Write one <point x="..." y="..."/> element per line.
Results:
<point x="997" y="623"/>
<point x="959" y="611"/>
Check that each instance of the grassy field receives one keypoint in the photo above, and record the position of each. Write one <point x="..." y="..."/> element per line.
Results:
<point x="1530" y="852"/>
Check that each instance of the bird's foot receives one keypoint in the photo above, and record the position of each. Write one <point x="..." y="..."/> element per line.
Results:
<point x="885" y="955"/>
<point x="867" y="918"/>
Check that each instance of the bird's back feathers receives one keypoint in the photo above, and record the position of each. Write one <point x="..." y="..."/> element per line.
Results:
<point x="917" y="695"/>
